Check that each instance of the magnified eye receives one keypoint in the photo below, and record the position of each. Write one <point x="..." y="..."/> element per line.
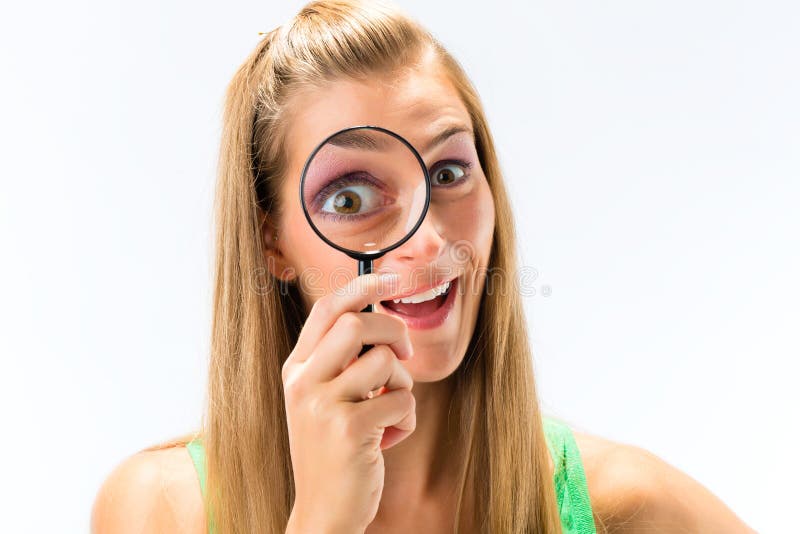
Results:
<point x="449" y="173"/>
<point x="352" y="195"/>
<point x="350" y="200"/>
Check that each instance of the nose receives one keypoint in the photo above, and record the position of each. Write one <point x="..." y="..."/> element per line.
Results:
<point x="423" y="247"/>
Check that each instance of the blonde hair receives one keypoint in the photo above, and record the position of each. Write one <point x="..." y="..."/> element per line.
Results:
<point x="250" y="485"/>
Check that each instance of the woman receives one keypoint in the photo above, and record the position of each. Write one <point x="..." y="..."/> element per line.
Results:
<point x="435" y="429"/>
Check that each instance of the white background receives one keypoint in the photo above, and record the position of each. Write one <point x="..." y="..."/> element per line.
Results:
<point x="653" y="152"/>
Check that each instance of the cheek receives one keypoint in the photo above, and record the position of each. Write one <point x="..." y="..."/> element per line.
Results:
<point x="472" y="219"/>
<point x="320" y="267"/>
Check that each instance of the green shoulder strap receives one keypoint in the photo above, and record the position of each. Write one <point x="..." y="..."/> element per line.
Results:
<point x="569" y="477"/>
<point x="197" y="452"/>
<point x="198" y="457"/>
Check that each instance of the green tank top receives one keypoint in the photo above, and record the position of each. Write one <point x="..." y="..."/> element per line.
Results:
<point x="569" y="478"/>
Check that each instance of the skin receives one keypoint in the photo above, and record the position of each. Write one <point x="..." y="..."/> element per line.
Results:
<point x="638" y="492"/>
<point x="418" y="106"/>
<point x="158" y="490"/>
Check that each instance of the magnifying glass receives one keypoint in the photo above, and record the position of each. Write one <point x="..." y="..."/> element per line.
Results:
<point x="365" y="190"/>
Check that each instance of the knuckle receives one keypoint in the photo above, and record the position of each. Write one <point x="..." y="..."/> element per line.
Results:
<point x="293" y="388"/>
<point x="409" y="399"/>
<point x="385" y="355"/>
<point x="407" y="379"/>
<point x="322" y="306"/>
<point x="398" y="322"/>
<point x="349" y="322"/>
<point x="285" y="370"/>
<point x="403" y="326"/>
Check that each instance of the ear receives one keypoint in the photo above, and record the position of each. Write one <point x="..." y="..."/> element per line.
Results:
<point x="277" y="263"/>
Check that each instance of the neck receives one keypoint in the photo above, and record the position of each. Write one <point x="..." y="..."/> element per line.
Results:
<point x="424" y="467"/>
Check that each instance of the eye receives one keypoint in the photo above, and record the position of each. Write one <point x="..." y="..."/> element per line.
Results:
<point x="450" y="172"/>
<point x="351" y="200"/>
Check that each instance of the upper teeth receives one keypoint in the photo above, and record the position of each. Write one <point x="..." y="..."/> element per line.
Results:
<point x="432" y="293"/>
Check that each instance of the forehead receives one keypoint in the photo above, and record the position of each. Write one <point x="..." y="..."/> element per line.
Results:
<point x="417" y="104"/>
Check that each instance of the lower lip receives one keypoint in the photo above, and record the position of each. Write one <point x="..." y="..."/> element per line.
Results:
<point x="434" y="319"/>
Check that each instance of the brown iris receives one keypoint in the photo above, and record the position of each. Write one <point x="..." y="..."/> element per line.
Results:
<point x="446" y="176"/>
<point x="347" y="202"/>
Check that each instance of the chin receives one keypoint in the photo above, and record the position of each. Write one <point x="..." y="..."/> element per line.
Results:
<point x="433" y="366"/>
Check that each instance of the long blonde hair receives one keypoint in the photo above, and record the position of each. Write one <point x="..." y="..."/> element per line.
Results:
<point x="257" y="319"/>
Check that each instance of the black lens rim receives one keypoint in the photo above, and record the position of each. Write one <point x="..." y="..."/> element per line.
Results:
<point x="358" y="254"/>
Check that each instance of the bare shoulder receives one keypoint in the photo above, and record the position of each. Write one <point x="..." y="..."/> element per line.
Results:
<point x="634" y="490"/>
<point x="150" y="491"/>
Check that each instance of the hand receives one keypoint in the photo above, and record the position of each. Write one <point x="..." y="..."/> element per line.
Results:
<point x="336" y="431"/>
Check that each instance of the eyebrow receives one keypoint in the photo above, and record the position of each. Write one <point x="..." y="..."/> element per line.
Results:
<point x="356" y="139"/>
<point x="364" y="141"/>
<point x="444" y="135"/>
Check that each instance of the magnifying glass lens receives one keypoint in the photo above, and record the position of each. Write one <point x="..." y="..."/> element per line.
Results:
<point x="364" y="190"/>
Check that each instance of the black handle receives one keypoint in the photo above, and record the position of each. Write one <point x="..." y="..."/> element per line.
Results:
<point x="365" y="267"/>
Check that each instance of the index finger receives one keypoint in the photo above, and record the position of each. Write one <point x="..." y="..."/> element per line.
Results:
<point x="353" y="296"/>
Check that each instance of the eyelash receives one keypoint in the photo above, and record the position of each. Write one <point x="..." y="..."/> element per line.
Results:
<point x="343" y="181"/>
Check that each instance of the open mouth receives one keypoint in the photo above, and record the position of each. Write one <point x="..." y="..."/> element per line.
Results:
<point x="427" y="309"/>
